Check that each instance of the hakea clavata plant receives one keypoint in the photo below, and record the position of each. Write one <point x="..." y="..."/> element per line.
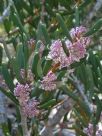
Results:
<point x="76" y="48"/>
<point x="90" y="130"/>
<point x="29" y="106"/>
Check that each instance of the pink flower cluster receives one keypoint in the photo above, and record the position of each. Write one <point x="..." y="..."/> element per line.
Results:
<point x="29" y="106"/>
<point x="77" y="33"/>
<point x="30" y="109"/>
<point x="89" y="130"/>
<point x="58" y="55"/>
<point x="49" y="81"/>
<point x="76" y="48"/>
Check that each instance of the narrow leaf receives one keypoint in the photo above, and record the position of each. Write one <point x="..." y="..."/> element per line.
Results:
<point x="7" y="77"/>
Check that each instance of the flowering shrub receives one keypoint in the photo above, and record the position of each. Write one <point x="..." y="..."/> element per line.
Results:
<point x="52" y="70"/>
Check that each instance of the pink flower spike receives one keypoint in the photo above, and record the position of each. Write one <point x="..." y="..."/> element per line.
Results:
<point x="77" y="51"/>
<point x="30" y="109"/>
<point x="58" y="55"/>
<point x="22" y="93"/>
<point x="29" y="106"/>
<point x="55" y="50"/>
<point x="85" y="41"/>
<point x="49" y="82"/>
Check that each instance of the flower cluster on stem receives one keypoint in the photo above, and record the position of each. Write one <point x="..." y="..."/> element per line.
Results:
<point x="29" y="106"/>
<point x="76" y="49"/>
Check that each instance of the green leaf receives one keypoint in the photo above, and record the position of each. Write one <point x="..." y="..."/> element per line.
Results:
<point x="5" y="129"/>
<point x="47" y="66"/>
<point x="7" y="25"/>
<point x="26" y="7"/>
<point x="36" y="92"/>
<point x="16" y="68"/>
<point x="1" y="54"/>
<point x="7" y="77"/>
<point x="92" y="61"/>
<point x="76" y="110"/>
<point x="90" y="81"/>
<point x="9" y="95"/>
<point x="99" y="109"/>
<point x="20" y="57"/>
<point x="48" y="104"/>
<point x="39" y="32"/>
<point x="36" y="66"/>
<point x="49" y="10"/>
<point x="25" y="48"/>
<point x="2" y="3"/>
<point x="95" y="28"/>
<point x="61" y="74"/>
<point x="39" y="69"/>
<point x="42" y="33"/>
<point x="69" y="93"/>
<point x="81" y="73"/>
<point x="77" y="19"/>
<point x="45" y="33"/>
<point x="18" y="23"/>
<point x="63" y="26"/>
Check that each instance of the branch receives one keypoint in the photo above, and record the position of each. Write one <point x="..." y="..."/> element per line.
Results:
<point x="52" y="122"/>
<point x="65" y="107"/>
<point x="24" y="123"/>
<point x="81" y="89"/>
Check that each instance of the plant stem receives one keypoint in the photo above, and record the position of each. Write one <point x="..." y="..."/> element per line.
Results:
<point x="24" y="123"/>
